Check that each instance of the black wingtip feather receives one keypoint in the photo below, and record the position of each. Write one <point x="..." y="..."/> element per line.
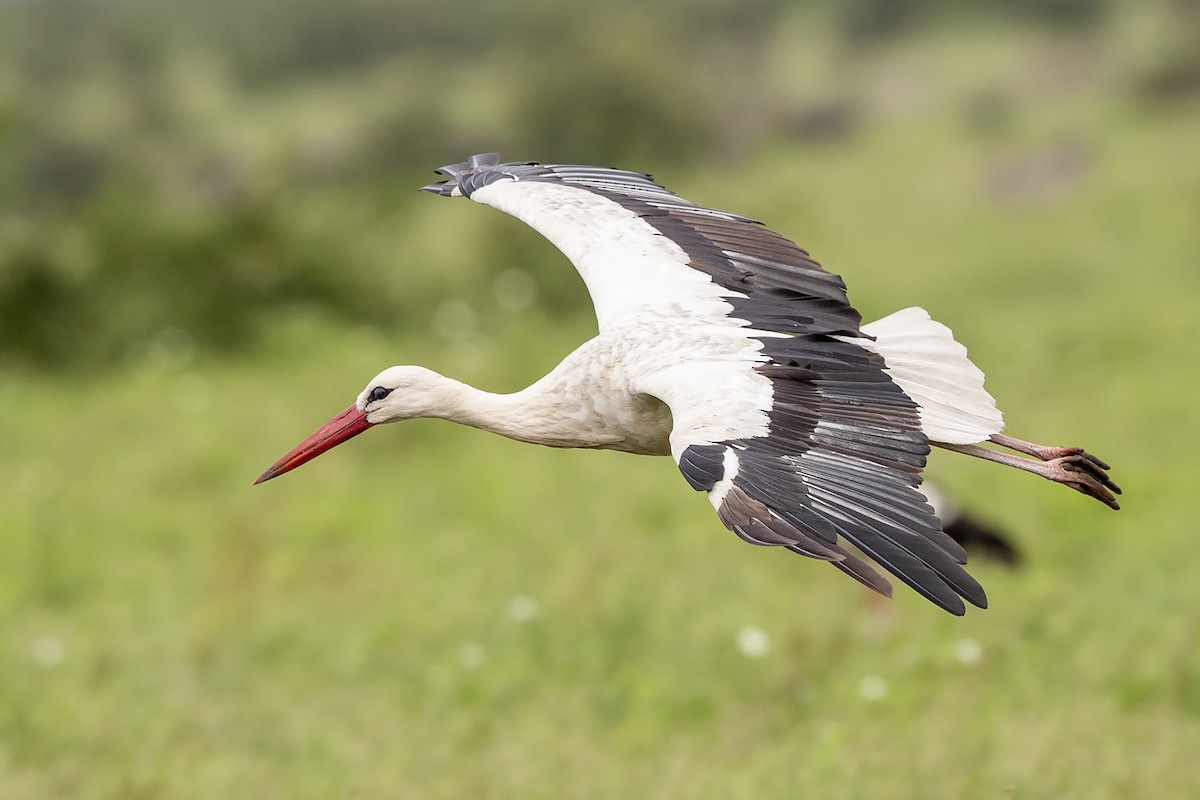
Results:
<point x="912" y="572"/>
<point x="862" y="572"/>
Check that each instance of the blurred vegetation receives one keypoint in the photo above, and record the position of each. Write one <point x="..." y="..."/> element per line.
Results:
<point x="210" y="238"/>
<point x="191" y="166"/>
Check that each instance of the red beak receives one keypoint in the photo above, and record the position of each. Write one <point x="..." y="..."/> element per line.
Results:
<point x="346" y="425"/>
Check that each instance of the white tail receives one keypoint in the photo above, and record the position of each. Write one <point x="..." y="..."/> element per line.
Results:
<point x="933" y="369"/>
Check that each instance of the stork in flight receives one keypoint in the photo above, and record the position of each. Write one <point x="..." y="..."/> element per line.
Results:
<point x="727" y="347"/>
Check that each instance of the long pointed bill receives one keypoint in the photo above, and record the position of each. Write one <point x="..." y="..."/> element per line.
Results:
<point x="346" y="425"/>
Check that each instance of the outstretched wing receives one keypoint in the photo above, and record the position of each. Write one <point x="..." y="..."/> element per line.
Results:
<point x="839" y="462"/>
<point x="793" y="425"/>
<point x="639" y="246"/>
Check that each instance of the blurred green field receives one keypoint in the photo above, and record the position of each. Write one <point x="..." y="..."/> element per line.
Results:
<point x="433" y="612"/>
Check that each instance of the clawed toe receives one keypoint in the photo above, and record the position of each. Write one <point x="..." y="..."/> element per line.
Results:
<point x="1091" y="459"/>
<point x="1074" y="454"/>
<point x="1093" y="466"/>
<point x="1085" y="475"/>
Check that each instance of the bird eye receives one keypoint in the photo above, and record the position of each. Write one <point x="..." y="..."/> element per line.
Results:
<point x="379" y="392"/>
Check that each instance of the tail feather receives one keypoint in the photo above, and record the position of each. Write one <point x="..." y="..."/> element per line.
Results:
<point x="933" y="369"/>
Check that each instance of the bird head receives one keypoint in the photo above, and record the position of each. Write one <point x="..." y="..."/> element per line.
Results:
<point x="396" y="393"/>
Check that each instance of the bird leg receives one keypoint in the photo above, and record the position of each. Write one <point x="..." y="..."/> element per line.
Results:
<point x="1072" y="466"/>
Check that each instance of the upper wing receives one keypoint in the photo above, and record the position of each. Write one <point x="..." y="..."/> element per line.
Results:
<point x="637" y="245"/>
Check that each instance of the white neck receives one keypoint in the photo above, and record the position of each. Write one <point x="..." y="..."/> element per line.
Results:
<point x="540" y="414"/>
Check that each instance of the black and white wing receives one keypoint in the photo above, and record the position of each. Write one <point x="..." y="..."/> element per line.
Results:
<point x="839" y="462"/>
<point x="636" y="246"/>
<point x="788" y="415"/>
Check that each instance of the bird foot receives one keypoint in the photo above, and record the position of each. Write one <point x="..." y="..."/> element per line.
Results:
<point x="1083" y="472"/>
<point x="1072" y="466"/>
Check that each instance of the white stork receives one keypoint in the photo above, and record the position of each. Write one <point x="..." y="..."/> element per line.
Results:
<point x="729" y="348"/>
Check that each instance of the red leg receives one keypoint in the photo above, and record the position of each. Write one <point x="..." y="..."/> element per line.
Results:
<point x="1071" y="466"/>
<point x="1043" y="452"/>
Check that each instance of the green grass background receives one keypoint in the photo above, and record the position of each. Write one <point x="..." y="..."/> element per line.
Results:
<point x="167" y="631"/>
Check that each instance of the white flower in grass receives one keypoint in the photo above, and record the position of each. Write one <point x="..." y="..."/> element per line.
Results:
<point x="753" y="642"/>
<point x="472" y="655"/>
<point x="873" y="688"/>
<point x="522" y="608"/>
<point x="968" y="652"/>
<point x="47" y="651"/>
